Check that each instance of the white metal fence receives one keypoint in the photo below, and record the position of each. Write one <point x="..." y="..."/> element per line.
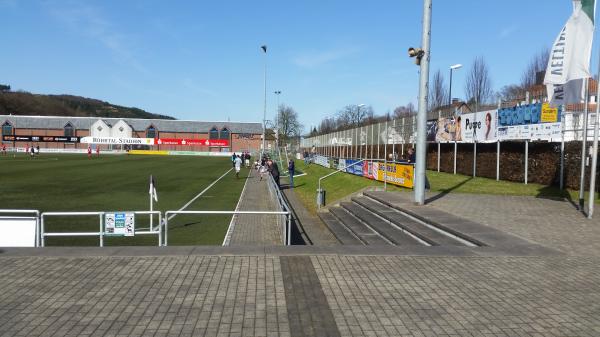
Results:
<point x="101" y="226"/>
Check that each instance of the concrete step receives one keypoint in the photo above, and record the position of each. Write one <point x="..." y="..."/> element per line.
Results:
<point x="416" y="228"/>
<point x="341" y="233"/>
<point x="359" y="229"/>
<point x="465" y="229"/>
<point x="383" y="227"/>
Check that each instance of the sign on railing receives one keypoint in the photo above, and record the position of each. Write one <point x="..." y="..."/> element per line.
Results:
<point x="109" y="224"/>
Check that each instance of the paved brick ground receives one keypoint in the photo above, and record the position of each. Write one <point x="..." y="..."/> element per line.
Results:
<point x="411" y="296"/>
<point x="142" y="296"/>
<point x="553" y="223"/>
<point x="276" y="292"/>
<point x="256" y="229"/>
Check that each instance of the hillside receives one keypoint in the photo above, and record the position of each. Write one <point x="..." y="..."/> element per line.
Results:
<point x="24" y="103"/>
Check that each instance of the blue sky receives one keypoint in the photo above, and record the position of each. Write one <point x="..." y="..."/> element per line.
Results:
<point x="202" y="59"/>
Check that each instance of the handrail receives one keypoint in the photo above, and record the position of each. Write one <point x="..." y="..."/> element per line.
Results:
<point x="283" y="206"/>
<point x="338" y="171"/>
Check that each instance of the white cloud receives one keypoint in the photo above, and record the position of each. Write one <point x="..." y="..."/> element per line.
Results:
<point x="315" y="59"/>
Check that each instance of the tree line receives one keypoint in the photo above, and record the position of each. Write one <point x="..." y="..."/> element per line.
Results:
<point x="478" y="89"/>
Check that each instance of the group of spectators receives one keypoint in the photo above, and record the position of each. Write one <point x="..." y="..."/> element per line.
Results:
<point x="240" y="159"/>
<point x="265" y="166"/>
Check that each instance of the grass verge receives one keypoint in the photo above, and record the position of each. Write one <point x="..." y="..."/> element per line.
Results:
<point x="341" y="185"/>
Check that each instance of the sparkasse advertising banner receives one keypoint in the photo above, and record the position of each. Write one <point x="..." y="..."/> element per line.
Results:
<point x="190" y="142"/>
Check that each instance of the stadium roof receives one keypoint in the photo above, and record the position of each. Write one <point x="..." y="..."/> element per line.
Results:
<point x="162" y="125"/>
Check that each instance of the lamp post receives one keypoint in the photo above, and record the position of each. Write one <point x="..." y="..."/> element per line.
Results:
<point x="422" y="60"/>
<point x="357" y="128"/>
<point x="454" y="67"/>
<point x="264" y="49"/>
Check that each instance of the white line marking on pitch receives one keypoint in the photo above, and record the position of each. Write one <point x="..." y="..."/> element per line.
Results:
<point x="229" y="233"/>
<point x="198" y="195"/>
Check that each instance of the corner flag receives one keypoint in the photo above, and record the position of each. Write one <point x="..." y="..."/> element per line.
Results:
<point x="152" y="191"/>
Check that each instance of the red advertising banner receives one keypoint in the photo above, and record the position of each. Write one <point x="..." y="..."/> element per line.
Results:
<point x="190" y="142"/>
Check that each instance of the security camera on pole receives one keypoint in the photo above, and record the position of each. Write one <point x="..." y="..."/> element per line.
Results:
<point x="421" y="56"/>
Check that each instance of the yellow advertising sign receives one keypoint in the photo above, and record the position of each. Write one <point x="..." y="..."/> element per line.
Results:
<point x="397" y="174"/>
<point x="549" y="115"/>
<point x="149" y="152"/>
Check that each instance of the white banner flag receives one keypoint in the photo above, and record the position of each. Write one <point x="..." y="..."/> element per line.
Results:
<point x="569" y="61"/>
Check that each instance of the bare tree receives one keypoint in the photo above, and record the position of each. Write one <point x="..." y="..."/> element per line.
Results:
<point x="287" y="123"/>
<point x="512" y="92"/>
<point x="404" y="111"/>
<point x="478" y="85"/>
<point x="438" y="93"/>
<point x="537" y="65"/>
<point x="353" y="115"/>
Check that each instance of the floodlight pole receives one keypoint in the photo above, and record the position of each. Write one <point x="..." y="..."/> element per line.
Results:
<point x="264" y="148"/>
<point x="421" y="152"/>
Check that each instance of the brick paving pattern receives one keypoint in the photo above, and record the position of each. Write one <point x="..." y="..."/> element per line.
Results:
<point x="308" y="311"/>
<point x="256" y="229"/>
<point x="413" y="296"/>
<point x="142" y="296"/>
<point x="262" y="291"/>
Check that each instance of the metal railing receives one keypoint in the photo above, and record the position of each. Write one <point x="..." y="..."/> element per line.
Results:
<point x="24" y="211"/>
<point x="337" y="171"/>
<point x="284" y="223"/>
<point x="100" y="233"/>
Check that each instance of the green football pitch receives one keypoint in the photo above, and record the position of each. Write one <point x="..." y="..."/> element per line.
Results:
<point x="75" y="183"/>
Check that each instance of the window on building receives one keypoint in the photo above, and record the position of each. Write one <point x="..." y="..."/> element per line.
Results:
<point x="151" y="132"/>
<point x="7" y="129"/>
<point x="213" y="134"/>
<point x="69" y="130"/>
<point x="224" y="134"/>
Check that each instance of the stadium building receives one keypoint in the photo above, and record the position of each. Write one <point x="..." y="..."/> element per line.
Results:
<point x="50" y="132"/>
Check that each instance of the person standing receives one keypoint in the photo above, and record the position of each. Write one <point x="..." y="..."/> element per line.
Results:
<point x="412" y="159"/>
<point x="89" y="151"/>
<point x="238" y="166"/>
<point x="291" y="169"/>
<point x="274" y="170"/>
<point x="98" y="151"/>
<point x="233" y="157"/>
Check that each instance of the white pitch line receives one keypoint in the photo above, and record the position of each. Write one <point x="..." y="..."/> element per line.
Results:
<point x="199" y="194"/>
<point x="231" y="227"/>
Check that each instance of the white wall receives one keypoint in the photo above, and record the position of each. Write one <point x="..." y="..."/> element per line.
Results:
<point x="104" y="129"/>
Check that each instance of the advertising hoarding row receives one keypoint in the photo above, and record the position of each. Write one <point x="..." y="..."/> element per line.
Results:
<point x="322" y="160"/>
<point x="155" y="141"/>
<point x="47" y="139"/>
<point x="397" y="174"/>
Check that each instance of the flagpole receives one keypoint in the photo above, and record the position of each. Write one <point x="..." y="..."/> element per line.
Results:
<point x="583" y="148"/>
<point x="594" y="154"/>
<point x="151" y="204"/>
